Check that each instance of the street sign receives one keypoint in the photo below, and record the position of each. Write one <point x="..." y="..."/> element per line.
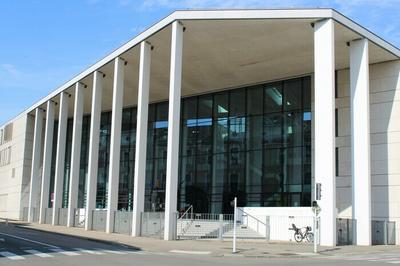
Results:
<point x="318" y="191"/>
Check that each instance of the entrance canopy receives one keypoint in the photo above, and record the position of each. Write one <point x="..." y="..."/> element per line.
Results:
<point x="228" y="48"/>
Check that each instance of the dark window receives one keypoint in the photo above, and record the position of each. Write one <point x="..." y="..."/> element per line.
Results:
<point x="292" y="92"/>
<point x="255" y="100"/>
<point x="336" y="122"/>
<point x="273" y="97"/>
<point x="252" y="143"/>
<point x="337" y="161"/>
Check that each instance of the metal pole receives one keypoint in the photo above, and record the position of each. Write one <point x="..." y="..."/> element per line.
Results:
<point x="221" y="226"/>
<point x="315" y="232"/>
<point x="267" y="228"/>
<point x="234" y="225"/>
<point x="385" y="232"/>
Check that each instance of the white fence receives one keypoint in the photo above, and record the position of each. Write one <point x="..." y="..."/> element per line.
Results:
<point x="278" y="221"/>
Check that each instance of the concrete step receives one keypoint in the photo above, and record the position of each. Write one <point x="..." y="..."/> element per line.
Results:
<point x="204" y="229"/>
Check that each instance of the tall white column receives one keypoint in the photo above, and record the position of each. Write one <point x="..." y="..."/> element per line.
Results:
<point x="47" y="157"/>
<point x="75" y="154"/>
<point x="115" y="143"/>
<point x="360" y="145"/>
<point x="173" y="130"/>
<point x="141" y="136"/>
<point x="324" y="67"/>
<point x="93" y="148"/>
<point x="35" y="172"/>
<point x="60" y="155"/>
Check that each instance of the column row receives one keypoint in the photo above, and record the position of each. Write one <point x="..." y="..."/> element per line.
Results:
<point x="140" y="159"/>
<point x="324" y="86"/>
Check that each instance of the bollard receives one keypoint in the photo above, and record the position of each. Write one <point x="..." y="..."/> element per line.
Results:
<point x="267" y="228"/>
<point x="221" y="227"/>
<point x="234" y="224"/>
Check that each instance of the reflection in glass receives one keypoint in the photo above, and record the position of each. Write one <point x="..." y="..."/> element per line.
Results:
<point x="273" y="98"/>
<point x="293" y="94"/>
<point x="253" y="143"/>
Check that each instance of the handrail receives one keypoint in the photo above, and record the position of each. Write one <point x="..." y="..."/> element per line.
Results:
<point x="252" y="216"/>
<point x="183" y="230"/>
<point x="190" y="208"/>
<point x="6" y="220"/>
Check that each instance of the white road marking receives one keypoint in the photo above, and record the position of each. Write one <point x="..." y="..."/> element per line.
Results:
<point x="89" y="251"/>
<point x="112" y="251"/>
<point x="29" y="240"/>
<point x="387" y="259"/>
<point x="190" y="252"/>
<point x="11" y="256"/>
<point x="135" y="252"/>
<point x="64" y="252"/>
<point x="38" y="253"/>
<point x="307" y="254"/>
<point x="394" y="262"/>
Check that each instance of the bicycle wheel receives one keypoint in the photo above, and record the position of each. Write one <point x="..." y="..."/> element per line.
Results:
<point x="298" y="237"/>
<point x="310" y="237"/>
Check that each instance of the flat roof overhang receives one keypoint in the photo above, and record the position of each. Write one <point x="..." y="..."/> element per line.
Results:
<point x="228" y="48"/>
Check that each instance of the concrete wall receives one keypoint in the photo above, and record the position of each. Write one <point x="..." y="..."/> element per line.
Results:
<point x="385" y="143"/>
<point x="15" y="176"/>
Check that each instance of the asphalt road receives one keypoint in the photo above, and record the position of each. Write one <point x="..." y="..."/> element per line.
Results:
<point x="20" y="246"/>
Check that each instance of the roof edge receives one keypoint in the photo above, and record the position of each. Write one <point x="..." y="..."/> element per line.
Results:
<point x="357" y="28"/>
<point x="220" y="14"/>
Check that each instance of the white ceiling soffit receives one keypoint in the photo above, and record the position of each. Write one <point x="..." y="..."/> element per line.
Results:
<point x="226" y="15"/>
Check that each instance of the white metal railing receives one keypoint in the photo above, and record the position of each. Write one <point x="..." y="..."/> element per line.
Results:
<point x="203" y="225"/>
<point x="188" y="214"/>
<point x="5" y="220"/>
<point x="250" y="221"/>
<point x="190" y="209"/>
<point x="152" y="224"/>
<point x="79" y="217"/>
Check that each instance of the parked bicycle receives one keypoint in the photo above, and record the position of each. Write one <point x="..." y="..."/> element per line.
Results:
<point x="302" y="233"/>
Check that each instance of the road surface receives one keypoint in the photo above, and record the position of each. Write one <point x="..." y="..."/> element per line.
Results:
<point x="21" y="246"/>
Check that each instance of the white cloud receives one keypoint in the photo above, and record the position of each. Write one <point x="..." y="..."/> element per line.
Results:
<point x="184" y="4"/>
<point x="9" y="70"/>
<point x="347" y="7"/>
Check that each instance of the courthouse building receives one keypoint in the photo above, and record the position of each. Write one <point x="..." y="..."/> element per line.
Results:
<point x="208" y="105"/>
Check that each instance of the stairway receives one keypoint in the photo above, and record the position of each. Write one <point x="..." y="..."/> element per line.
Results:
<point x="243" y="232"/>
<point x="189" y="229"/>
<point x="197" y="229"/>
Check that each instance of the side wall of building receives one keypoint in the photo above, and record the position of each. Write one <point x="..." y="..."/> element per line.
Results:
<point x="16" y="152"/>
<point x="385" y="143"/>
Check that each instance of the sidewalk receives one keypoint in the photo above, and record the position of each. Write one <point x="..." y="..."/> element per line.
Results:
<point x="248" y="248"/>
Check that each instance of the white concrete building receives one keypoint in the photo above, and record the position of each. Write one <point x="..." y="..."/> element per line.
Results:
<point x="209" y="105"/>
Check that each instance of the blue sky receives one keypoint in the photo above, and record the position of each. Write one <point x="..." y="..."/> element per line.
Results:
<point x="46" y="42"/>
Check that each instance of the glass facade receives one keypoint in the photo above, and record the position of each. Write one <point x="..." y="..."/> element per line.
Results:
<point x="127" y="159"/>
<point x="253" y="143"/>
<point x="83" y="170"/>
